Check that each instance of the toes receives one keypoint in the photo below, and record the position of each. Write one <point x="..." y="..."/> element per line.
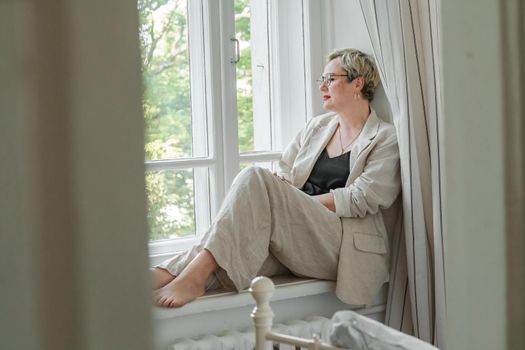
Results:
<point x="174" y="304"/>
<point x="163" y="300"/>
<point x="159" y="298"/>
<point x="167" y="302"/>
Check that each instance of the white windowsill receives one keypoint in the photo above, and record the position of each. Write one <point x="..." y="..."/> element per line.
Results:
<point x="287" y="287"/>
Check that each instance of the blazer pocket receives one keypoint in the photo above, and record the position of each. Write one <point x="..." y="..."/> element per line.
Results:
<point x="369" y="243"/>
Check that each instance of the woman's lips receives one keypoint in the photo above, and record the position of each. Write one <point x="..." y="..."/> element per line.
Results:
<point x="326" y="97"/>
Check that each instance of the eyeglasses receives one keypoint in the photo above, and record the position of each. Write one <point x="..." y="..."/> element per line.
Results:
<point x="329" y="78"/>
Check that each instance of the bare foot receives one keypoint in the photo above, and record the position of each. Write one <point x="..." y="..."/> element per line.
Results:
<point x="160" y="277"/>
<point x="189" y="284"/>
<point x="178" y="292"/>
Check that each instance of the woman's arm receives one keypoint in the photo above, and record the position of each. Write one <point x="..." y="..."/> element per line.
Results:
<point x="378" y="185"/>
<point x="327" y="200"/>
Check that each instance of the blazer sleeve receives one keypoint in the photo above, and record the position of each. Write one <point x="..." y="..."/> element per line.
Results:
<point x="378" y="185"/>
<point x="287" y="160"/>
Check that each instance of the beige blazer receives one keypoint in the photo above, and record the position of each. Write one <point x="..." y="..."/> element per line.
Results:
<point x="373" y="185"/>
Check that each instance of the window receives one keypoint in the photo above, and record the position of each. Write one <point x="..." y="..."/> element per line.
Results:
<point x="224" y="88"/>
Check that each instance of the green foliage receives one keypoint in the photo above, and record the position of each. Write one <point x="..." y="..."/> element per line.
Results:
<point x="167" y="115"/>
<point x="166" y="77"/>
<point x="167" y="109"/>
<point x="244" y="76"/>
<point x="170" y="204"/>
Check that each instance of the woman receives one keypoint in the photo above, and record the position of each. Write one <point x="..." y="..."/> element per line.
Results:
<point x="320" y="216"/>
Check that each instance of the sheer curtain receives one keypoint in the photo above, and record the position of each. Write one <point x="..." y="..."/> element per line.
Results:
<point x="405" y="41"/>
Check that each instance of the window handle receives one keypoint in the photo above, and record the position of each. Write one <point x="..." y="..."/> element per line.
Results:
<point x="237" y="51"/>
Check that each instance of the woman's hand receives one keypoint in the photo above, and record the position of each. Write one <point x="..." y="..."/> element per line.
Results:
<point x="327" y="200"/>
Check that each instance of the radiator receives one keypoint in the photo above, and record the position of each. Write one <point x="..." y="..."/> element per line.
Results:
<point x="245" y="340"/>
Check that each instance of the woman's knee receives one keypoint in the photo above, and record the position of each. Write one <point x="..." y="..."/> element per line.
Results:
<point x="254" y="169"/>
<point x="252" y="172"/>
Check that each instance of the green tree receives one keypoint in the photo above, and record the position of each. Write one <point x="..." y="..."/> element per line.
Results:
<point x="244" y="76"/>
<point x="167" y="114"/>
<point x="166" y="103"/>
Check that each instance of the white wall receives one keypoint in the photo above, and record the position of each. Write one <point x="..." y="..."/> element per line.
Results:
<point x="73" y="249"/>
<point x="474" y="182"/>
<point x="17" y="292"/>
<point x="483" y="153"/>
<point x="344" y="26"/>
<point x="348" y="26"/>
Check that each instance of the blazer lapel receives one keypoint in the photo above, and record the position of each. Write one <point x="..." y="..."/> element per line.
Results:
<point x="316" y="144"/>
<point x="367" y="135"/>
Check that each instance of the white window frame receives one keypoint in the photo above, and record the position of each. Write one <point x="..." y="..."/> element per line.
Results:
<point x="292" y="74"/>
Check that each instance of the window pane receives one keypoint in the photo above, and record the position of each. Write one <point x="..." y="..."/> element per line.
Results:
<point x="253" y="76"/>
<point x="244" y="76"/>
<point x="166" y="79"/>
<point x="171" y="208"/>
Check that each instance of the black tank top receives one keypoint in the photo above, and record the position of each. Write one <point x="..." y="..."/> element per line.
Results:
<point x="328" y="174"/>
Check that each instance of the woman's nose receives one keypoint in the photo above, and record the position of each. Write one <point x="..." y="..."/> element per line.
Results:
<point x="323" y="87"/>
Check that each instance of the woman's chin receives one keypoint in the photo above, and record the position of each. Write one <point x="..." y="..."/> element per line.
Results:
<point x="328" y="106"/>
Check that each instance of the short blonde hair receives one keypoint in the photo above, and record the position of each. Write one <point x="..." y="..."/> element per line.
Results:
<point x="358" y="64"/>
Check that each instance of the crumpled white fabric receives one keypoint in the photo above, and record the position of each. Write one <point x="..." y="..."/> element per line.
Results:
<point x="357" y="332"/>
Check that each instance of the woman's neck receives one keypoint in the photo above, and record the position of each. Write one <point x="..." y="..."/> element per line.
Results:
<point x="355" y="117"/>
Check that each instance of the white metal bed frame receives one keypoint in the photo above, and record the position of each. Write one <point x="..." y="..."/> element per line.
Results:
<point x="262" y="289"/>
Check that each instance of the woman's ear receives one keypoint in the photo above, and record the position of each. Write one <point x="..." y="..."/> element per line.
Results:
<point x="359" y="83"/>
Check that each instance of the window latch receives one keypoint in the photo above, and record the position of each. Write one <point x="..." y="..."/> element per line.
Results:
<point x="237" y="51"/>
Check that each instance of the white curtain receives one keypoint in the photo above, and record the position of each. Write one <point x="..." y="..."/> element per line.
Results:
<point x="405" y="41"/>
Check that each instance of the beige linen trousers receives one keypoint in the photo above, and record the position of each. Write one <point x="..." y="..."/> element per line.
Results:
<point x="268" y="226"/>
